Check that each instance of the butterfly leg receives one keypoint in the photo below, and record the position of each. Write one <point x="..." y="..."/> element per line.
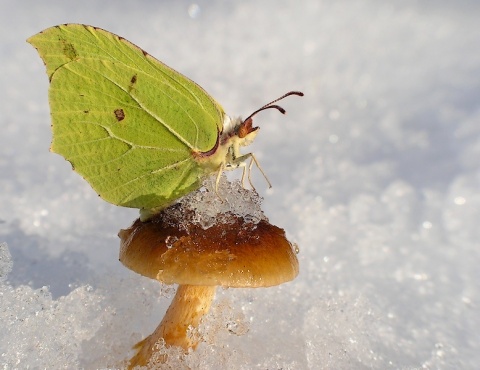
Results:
<point x="244" y="172"/>
<point x="254" y="160"/>
<point x="217" y="181"/>
<point x="247" y="170"/>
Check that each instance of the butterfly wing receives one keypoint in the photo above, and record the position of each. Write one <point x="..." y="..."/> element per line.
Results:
<point x="126" y="122"/>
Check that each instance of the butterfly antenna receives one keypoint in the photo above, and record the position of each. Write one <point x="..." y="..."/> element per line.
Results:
<point x="272" y="105"/>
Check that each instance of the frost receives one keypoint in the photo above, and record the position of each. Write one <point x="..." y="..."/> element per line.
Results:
<point x="210" y="205"/>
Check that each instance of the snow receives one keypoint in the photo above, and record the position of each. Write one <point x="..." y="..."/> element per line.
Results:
<point x="375" y="176"/>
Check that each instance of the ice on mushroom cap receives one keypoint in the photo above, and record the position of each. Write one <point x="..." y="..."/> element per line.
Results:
<point x="209" y="207"/>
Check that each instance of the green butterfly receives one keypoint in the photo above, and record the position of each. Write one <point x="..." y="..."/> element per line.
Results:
<point x="140" y="133"/>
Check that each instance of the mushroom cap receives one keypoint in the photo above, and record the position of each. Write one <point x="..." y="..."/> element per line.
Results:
<point x="232" y="253"/>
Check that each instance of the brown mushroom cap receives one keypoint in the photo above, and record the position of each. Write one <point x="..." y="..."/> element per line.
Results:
<point x="233" y="253"/>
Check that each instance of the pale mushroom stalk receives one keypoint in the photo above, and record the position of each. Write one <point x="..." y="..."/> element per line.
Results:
<point x="190" y="304"/>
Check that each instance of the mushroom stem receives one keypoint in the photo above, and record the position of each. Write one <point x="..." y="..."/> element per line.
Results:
<point x="189" y="305"/>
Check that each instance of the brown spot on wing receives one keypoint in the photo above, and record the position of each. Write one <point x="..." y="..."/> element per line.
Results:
<point x="133" y="81"/>
<point x="68" y="49"/>
<point x="119" y="114"/>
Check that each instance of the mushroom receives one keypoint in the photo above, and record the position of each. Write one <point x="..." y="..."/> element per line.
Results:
<point x="175" y="249"/>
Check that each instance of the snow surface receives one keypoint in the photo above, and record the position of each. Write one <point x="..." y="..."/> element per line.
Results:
<point x="376" y="176"/>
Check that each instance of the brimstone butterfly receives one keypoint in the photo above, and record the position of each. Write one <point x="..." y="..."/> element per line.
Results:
<point x="139" y="132"/>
